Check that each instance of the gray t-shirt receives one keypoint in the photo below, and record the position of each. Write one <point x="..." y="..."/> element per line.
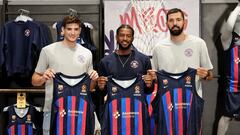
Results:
<point x="176" y="58"/>
<point x="61" y="58"/>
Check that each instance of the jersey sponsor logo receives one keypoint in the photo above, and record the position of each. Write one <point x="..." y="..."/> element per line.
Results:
<point x="60" y="88"/>
<point x="170" y="107"/>
<point x="188" y="80"/>
<point x="27" y="32"/>
<point x="114" y="90"/>
<point x="236" y="60"/>
<point x="62" y="113"/>
<point x="84" y="88"/>
<point x="134" y="64"/>
<point x="14" y="118"/>
<point x="74" y="112"/>
<point x="28" y="118"/>
<point x="165" y="82"/>
<point x="116" y="114"/>
<point x="181" y="105"/>
<point x="137" y="91"/>
<point x="81" y="59"/>
<point x="130" y="114"/>
<point x="188" y="52"/>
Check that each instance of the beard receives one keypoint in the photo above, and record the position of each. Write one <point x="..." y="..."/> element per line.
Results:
<point x="176" y="32"/>
<point x="124" y="48"/>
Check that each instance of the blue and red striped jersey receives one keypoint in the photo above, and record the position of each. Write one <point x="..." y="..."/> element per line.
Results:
<point x="232" y="71"/>
<point x="177" y="106"/>
<point x="72" y="108"/>
<point x="126" y="111"/>
<point x="150" y="98"/>
<point x="22" y="121"/>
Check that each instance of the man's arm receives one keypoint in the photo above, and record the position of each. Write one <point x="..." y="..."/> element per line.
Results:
<point x="154" y="61"/>
<point x="39" y="79"/>
<point x="204" y="73"/>
<point x="94" y="77"/>
<point x="228" y="27"/>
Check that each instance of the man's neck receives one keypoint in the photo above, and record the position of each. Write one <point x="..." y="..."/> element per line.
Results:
<point x="69" y="44"/>
<point x="124" y="52"/>
<point x="179" y="38"/>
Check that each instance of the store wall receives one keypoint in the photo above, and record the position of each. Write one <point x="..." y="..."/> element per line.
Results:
<point x="47" y="14"/>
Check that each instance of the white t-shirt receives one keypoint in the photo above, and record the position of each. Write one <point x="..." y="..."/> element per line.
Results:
<point x="61" y="58"/>
<point x="176" y="58"/>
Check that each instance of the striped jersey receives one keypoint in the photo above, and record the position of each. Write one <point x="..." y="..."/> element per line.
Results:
<point x="232" y="71"/>
<point x="72" y="107"/>
<point x="21" y="121"/>
<point x="126" y="111"/>
<point x="177" y="106"/>
<point x="150" y="98"/>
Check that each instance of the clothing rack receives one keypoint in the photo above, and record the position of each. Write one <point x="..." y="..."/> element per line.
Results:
<point x="50" y="13"/>
<point x="26" y="90"/>
<point x="8" y="13"/>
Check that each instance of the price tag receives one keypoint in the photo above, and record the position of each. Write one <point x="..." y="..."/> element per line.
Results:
<point x="21" y="100"/>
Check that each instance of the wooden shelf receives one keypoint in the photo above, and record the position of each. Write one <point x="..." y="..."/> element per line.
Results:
<point x="27" y="90"/>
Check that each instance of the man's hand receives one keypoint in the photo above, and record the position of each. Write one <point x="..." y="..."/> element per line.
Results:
<point x="203" y="73"/>
<point x="152" y="73"/>
<point x="49" y="74"/>
<point x="102" y="81"/>
<point x="93" y="75"/>
<point x="148" y="80"/>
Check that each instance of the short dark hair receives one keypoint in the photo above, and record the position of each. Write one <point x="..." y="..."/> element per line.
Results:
<point x="125" y="26"/>
<point x="174" y="10"/>
<point x="71" y="19"/>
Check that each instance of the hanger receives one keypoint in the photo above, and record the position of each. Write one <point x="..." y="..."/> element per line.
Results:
<point x="21" y="103"/>
<point x="89" y="25"/>
<point x="54" y="26"/>
<point x="72" y="12"/>
<point x="24" y="16"/>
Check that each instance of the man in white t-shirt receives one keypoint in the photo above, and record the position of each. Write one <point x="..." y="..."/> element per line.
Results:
<point x="65" y="56"/>
<point x="181" y="50"/>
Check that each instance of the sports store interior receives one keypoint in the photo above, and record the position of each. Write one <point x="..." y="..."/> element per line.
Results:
<point x="212" y="14"/>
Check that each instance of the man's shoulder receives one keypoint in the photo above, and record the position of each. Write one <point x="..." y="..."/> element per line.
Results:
<point x="163" y="43"/>
<point x="50" y="46"/>
<point x="83" y="49"/>
<point x="108" y="57"/>
<point x="140" y="54"/>
<point x="195" y="38"/>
